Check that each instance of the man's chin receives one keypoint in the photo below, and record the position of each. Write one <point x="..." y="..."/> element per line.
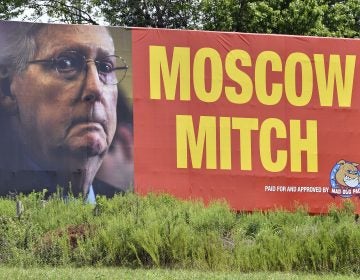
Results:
<point x="90" y="146"/>
<point x="95" y="149"/>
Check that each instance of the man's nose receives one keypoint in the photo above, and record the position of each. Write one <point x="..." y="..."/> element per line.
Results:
<point x="93" y="87"/>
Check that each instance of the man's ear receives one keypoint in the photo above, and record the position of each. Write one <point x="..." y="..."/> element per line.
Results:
<point x="8" y="104"/>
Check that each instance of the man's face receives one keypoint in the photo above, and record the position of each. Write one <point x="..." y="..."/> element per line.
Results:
<point x="65" y="123"/>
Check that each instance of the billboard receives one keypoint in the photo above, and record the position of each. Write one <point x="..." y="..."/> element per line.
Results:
<point x="261" y="121"/>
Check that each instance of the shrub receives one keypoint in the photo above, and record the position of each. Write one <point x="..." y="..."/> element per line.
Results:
<point x="161" y="231"/>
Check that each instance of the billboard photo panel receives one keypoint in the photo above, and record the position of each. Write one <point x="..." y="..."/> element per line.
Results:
<point x="66" y="118"/>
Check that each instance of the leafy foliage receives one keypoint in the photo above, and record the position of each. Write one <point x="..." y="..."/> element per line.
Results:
<point x="302" y="17"/>
<point x="159" y="231"/>
<point x="12" y="8"/>
<point x="151" y="13"/>
<point x="337" y="18"/>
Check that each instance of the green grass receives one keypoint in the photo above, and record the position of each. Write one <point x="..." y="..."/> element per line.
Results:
<point x="159" y="231"/>
<point x="154" y="274"/>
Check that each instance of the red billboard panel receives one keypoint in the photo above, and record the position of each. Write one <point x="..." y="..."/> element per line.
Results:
<point x="261" y="121"/>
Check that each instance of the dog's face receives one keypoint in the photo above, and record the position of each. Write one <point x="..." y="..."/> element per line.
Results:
<point x="348" y="174"/>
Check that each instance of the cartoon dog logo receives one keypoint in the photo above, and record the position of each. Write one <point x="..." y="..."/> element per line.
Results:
<point x="344" y="177"/>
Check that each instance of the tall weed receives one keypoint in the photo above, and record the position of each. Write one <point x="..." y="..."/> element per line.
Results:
<point x="162" y="231"/>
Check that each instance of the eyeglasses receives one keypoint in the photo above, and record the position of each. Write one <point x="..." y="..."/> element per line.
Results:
<point x="70" y="64"/>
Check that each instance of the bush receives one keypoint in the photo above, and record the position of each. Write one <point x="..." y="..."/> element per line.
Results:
<point x="161" y="231"/>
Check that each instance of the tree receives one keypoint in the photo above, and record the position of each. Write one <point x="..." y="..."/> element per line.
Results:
<point x="303" y="17"/>
<point x="219" y="14"/>
<point x="76" y="11"/>
<point x="11" y="9"/>
<point x="286" y="17"/>
<point x="340" y="18"/>
<point x="343" y="18"/>
<point x="151" y="13"/>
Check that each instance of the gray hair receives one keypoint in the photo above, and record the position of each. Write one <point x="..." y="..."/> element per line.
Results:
<point x="17" y="45"/>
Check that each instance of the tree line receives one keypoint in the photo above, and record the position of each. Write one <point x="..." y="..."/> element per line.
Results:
<point x="335" y="18"/>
